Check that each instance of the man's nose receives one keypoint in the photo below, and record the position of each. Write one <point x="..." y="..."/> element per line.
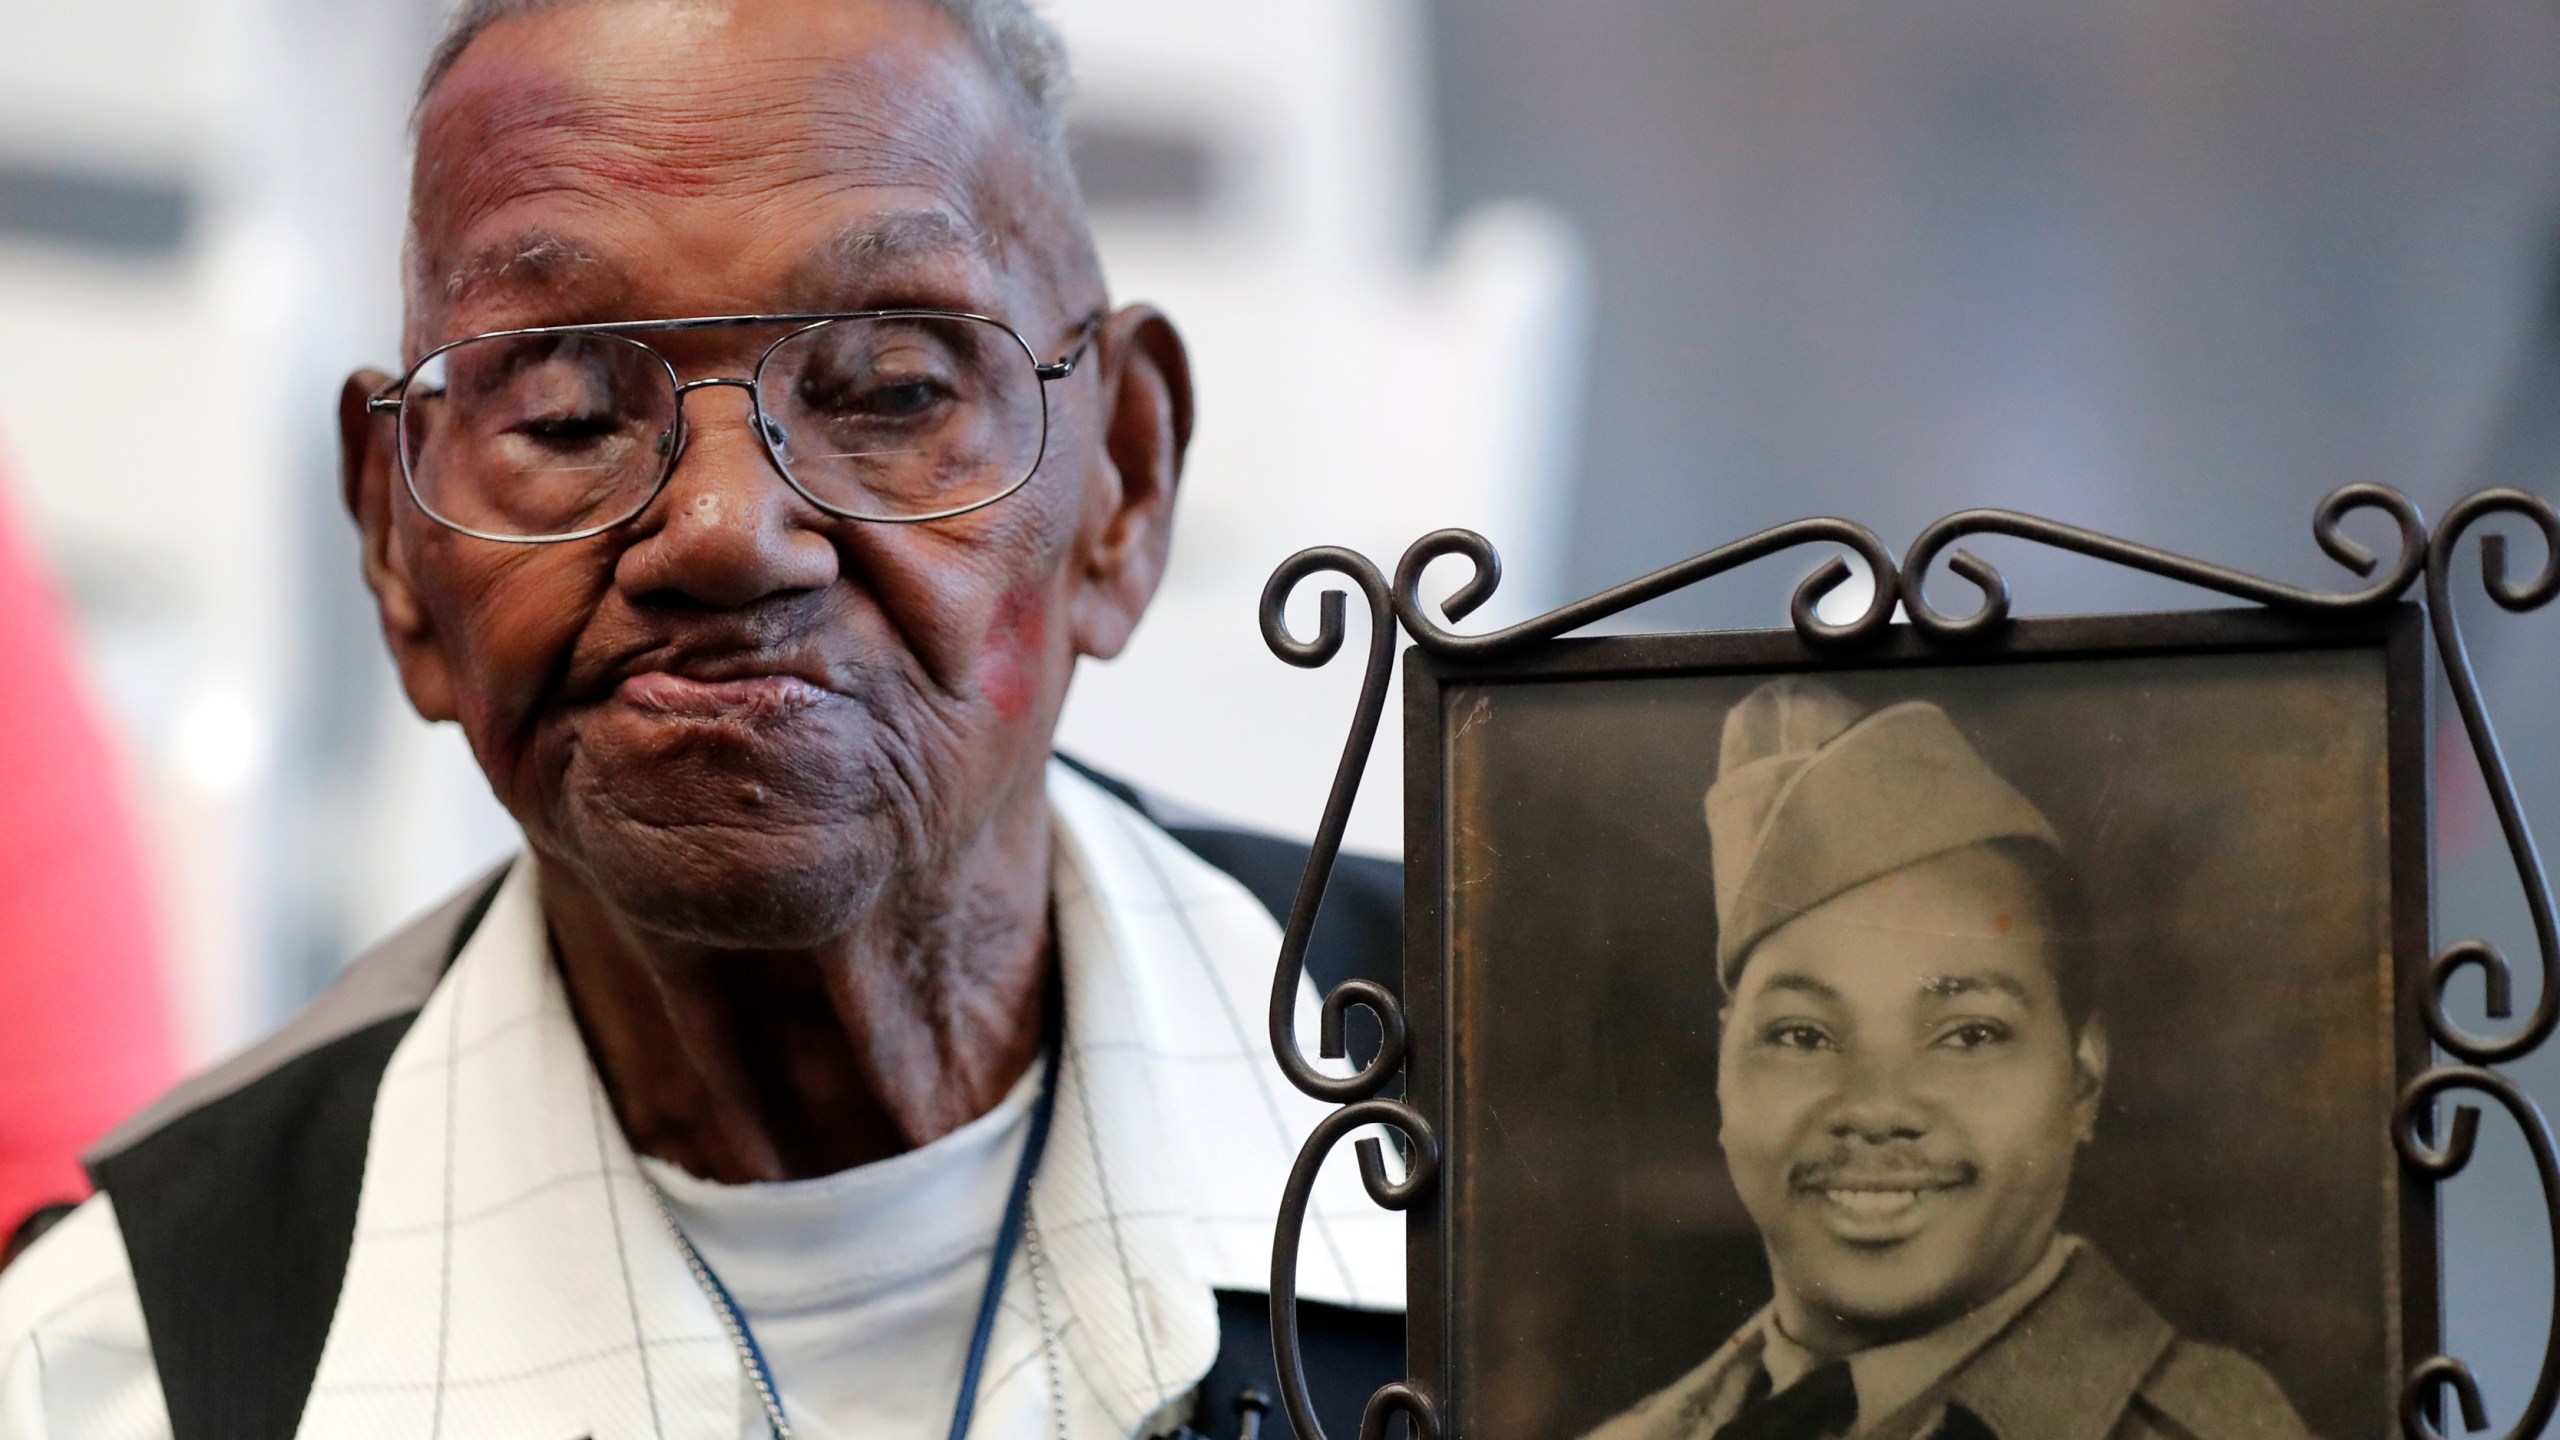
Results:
<point x="728" y="530"/>
<point x="1878" y="1103"/>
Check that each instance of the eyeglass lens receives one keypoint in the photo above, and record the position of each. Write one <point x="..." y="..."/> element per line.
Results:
<point x="879" y="417"/>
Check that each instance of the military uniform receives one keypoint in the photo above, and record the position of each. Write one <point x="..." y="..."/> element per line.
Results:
<point x="2088" y="1359"/>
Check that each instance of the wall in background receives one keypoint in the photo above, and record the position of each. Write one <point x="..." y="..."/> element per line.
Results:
<point x="1364" y="376"/>
<point x="188" y="193"/>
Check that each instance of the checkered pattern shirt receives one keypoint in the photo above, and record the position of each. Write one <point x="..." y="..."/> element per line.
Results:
<point x="509" y="1277"/>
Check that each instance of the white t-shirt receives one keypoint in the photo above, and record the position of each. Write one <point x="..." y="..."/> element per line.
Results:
<point x="861" y="1286"/>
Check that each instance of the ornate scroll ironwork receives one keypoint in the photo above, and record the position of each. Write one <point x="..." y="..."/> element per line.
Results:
<point x="2326" y="528"/>
<point x="1904" y="585"/>
<point x="2479" y="1052"/>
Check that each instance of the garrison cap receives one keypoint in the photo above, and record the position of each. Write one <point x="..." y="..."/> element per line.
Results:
<point x="1814" y="797"/>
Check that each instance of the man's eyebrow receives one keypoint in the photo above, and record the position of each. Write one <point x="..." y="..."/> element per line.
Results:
<point x="884" y="239"/>
<point x="908" y="231"/>
<point x="536" y="258"/>
<point x="1796" y="983"/>
<point x="1948" y="987"/>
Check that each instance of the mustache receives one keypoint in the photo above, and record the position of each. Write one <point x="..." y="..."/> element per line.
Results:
<point x="731" y="647"/>
<point x="1847" y="1169"/>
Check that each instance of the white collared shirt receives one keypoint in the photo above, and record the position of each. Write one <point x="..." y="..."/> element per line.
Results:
<point x="509" y="1278"/>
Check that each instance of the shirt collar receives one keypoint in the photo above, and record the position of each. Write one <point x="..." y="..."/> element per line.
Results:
<point x="1889" y="1377"/>
<point x="1168" y="966"/>
<point x="1175" y="1129"/>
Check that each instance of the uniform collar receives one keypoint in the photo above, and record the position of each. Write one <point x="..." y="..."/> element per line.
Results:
<point x="2066" y="1368"/>
<point x="509" y="1276"/>
<point x="1890" y="1377"/>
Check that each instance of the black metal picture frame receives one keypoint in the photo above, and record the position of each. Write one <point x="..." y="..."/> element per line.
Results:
<point x="1413" y="1045"/>
<point x="1444" y="699"/>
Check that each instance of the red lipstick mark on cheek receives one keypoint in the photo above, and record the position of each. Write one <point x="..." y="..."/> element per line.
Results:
<point x="1010" y="667"/>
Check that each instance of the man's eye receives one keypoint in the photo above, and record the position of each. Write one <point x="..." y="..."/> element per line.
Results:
<point x="900" y="399"/>
<point x="1974" y="1035"/>
<point x="1796" y="1035"/>
<point x="876" y="398"/>
<point x="566" y="429"/>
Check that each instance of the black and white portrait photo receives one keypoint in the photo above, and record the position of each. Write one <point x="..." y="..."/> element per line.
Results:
<point x="1956" y="1051"/>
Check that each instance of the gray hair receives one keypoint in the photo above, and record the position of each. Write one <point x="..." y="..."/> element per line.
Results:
<point x="1017" y="42"/>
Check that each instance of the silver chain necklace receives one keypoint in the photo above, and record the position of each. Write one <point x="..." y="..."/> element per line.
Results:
<point x="749" y="1360"/>
<point x="1038" y="1265"/>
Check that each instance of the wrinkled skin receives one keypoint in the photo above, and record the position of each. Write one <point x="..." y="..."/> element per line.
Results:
<point x="783" y="772"/>
<point x="1904" y="1098"/>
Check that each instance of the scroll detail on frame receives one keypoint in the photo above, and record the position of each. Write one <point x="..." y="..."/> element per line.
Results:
<point x="1878" y="1189"/>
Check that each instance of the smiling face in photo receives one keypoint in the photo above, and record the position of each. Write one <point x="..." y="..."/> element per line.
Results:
<point x="1903" y="1097"/>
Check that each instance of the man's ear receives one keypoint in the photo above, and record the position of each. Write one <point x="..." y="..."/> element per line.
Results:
<point x="2089" y="1076"/>
<point x="1144" y="375"/>
<point x="369" y="482"/>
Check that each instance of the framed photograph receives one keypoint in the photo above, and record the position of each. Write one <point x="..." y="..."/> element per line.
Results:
<point x="2022" y="1023"/>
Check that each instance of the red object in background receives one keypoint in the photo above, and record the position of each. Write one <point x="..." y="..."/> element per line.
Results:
<point x="84" y="1029"/>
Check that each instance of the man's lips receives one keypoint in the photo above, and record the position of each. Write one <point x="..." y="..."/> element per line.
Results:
<point x="743" y="697"/>
<point x="1878" y="1207"/>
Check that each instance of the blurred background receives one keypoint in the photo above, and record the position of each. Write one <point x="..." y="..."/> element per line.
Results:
<point x="1613" y="281"/>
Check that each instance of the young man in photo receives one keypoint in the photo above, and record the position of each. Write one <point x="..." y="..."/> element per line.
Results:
<point x="1909" y="1062"/>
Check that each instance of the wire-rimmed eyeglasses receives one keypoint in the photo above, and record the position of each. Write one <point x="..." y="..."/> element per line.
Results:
<point x="560" y="432"/>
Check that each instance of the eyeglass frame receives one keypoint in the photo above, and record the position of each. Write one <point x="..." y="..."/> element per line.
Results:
<point x="393" y="400"/>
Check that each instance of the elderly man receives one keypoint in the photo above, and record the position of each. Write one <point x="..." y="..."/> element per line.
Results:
<point x="834" y="1063"/>
<point x="1909" y="1061"/>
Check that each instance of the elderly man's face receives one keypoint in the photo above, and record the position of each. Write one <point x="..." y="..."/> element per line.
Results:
<point x="735" y="716"/>
<point x="1903" y="1099"/>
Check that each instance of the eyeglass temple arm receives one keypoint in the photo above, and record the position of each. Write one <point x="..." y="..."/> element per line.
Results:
<point x="1065" y="365"/>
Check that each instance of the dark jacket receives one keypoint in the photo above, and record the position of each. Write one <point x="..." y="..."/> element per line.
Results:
<point x="2093" y="1361"/>
<point x="236" y="1194"/>
<point x="2088" y="1360"/>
